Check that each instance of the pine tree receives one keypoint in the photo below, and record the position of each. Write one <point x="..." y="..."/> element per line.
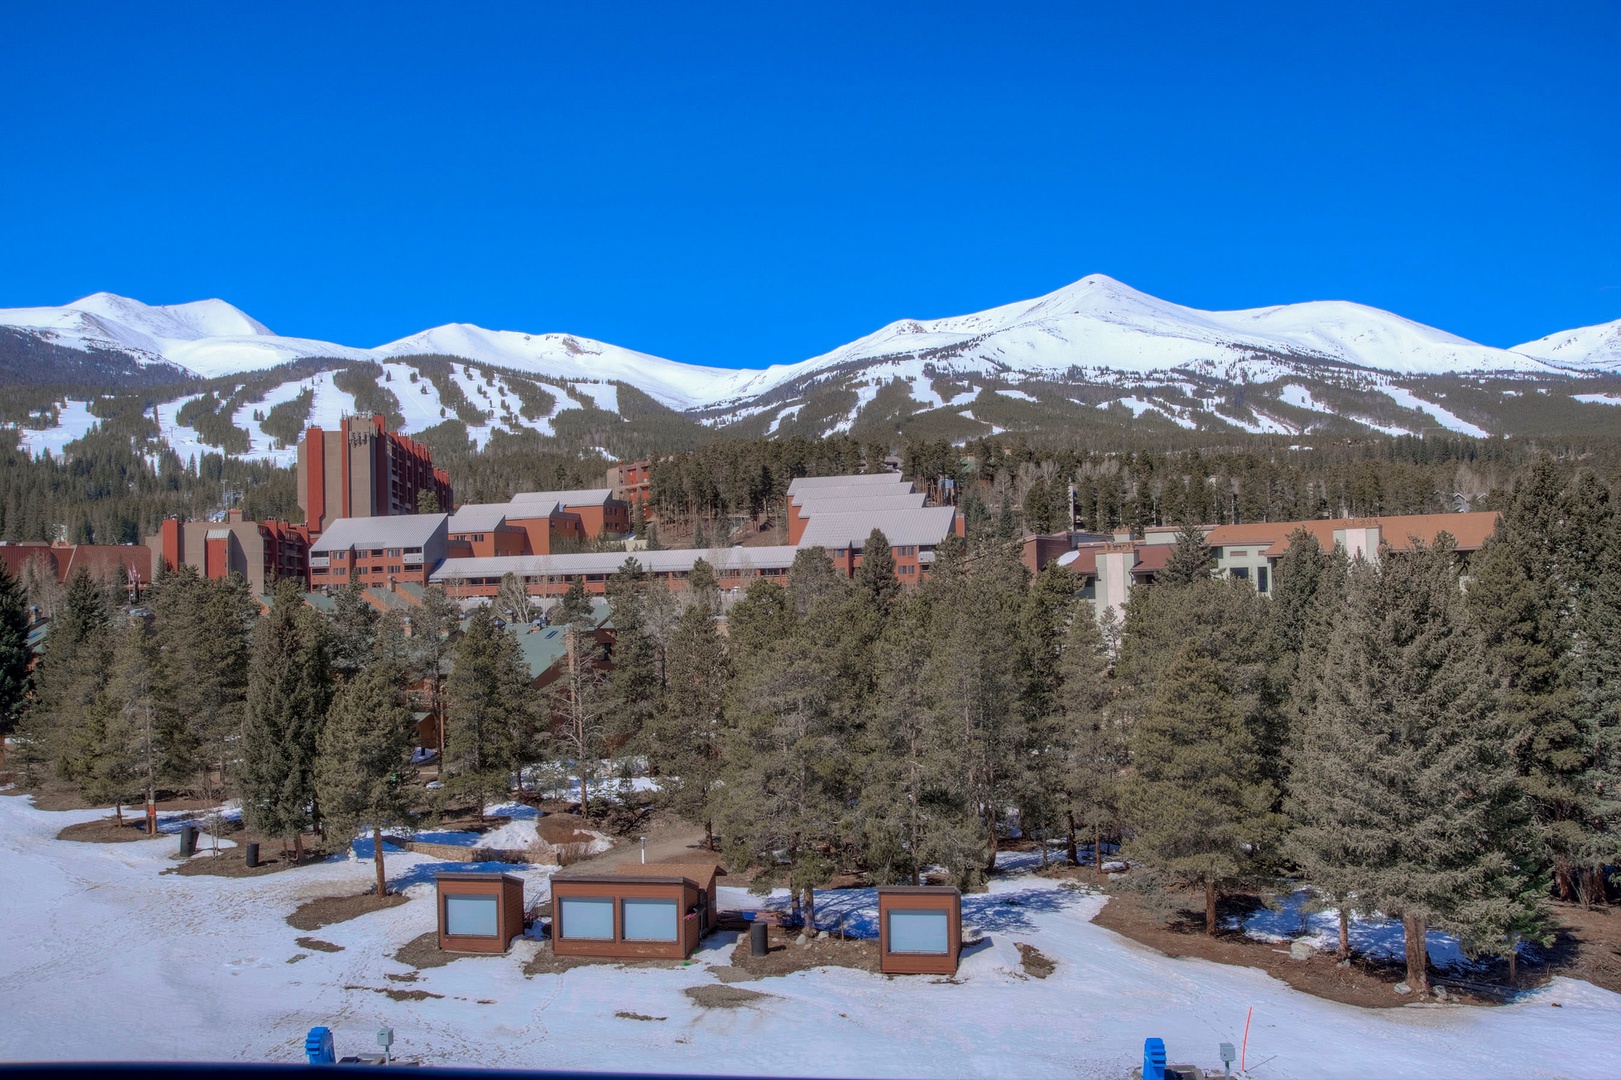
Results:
<point x="1191" y="559"/>
<point x="1198" y="798"/>
<point x="635" y="676"/>
<point x="110" y="765"/>
<point x="203" y="631"/>
<point x="1092" y="733"/>
<point x="289" y="690"/>
<point x="702" y="587"/>
<point x="916" y="804"/>
<point x="493" y="715"/>
<point x="576" y="603"/>
<point x="434" y="623"/>
<point x="428" y="501"/>
<point x="352" y="635"/>
<point x="14" y="653"/>
<point x="364" y="772"/>
<point x="784" y="752"/>
<point x="875" y="577"/>
<point x="1533" y="589"/>
<point x="1404" y="792"/>
<point x="684" y="735"/>
<point x="71" y="676"/>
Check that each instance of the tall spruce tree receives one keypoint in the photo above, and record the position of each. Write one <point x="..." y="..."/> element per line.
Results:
<point x="684" y="737"/>
<point x="1198" y="798"/>
<point x="1533" y="593"/>
<point x="875" y="577"/>
<point x="1191" y="558"/>
<point x="71" y="676"/>
<point x="576" y="602"/>
<point x="364" y="773"/>
<point x="493" y="712"/>
<point x="1092" y="734"/>
<point x="352" y="633"/>
<point x="1404" y="789"/>
<point x="781" y="800"/>
<point x="14" y="652"/>
<point x="289" y="691"/>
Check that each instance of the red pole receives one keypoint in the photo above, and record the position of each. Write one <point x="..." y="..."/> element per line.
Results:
<point x="1244" y="1051"/>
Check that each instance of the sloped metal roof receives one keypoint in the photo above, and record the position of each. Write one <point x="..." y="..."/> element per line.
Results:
<point x="806" y="483"/>
<point x="408" y="530"/>
<point x="851" y="500"/>
<point x="929" y="525"/>
<point x="607" y="562"/>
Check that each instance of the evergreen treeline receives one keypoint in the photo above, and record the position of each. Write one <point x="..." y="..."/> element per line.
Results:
<point x="1413" y="736"/>
<point x="1158" y="484"/>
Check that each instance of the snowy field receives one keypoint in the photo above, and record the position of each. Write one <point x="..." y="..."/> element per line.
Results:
<point x="106" y="958"/>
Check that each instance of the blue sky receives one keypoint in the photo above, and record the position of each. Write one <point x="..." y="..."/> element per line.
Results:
<point x="757" y="183"/>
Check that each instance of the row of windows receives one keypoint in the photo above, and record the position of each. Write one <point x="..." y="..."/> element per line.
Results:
<point x="592" y="919"/>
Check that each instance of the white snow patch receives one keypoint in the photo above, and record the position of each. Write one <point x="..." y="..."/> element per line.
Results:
<point x="1019" y="394"/>
<point x="73" y="422"/>
<point x="1598" y="399"/>
<point x="1409" y="400"/>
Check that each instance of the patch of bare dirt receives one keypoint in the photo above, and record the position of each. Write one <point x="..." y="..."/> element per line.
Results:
<point x="423" y="951"/>
<point x="623" y="1015"/>
<point x="397" y="995"/>
<point x="110" y="831"/>
<point x="546" y="962"/>
<point x="725" y="997"/>
<point x="1363" y="981"/>
<point x="314" y="914"/>
<point x="785" y="956"/>
<point x="1036" y="963"/>
<point x="318" y="945"/>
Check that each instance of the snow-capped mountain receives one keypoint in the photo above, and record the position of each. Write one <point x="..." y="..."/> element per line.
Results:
<point x="1096" y="351"/>
<point x="1590" y="348"/>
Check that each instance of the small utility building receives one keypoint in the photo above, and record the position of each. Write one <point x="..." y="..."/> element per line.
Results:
<point x="479" y="912"/>
<point x="644" y="911"/>
<point x="919" y="929"/>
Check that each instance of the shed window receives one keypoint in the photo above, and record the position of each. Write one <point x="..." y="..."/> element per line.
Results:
<point x="590" y="919"/>
<point x="470" y="916"/>
<point x="650" y="920"/>
<point x="919" y="932"/>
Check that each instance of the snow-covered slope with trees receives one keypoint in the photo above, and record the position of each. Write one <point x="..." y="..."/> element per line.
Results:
<point x="1094" y="352"/>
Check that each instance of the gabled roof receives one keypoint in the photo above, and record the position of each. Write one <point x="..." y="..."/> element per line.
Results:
<point x="583" y="497"/>
<point x="607" y="562"/>
<point x="408" y="530"/>
<point x="477" y="517"/>
<point x="806" y="483"/>
<point x="929" y="525"/>
<point x="850" y="500"/>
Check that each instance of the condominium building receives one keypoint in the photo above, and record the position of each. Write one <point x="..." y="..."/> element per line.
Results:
<point x="361" y="469"/>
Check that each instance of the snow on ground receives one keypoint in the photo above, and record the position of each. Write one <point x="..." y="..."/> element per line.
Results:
<point x="1598" y="399"/>
<point x="1409" y="400"/>
<point x="604" y="396"/>
<point x="202" y="968"/>
<point x="1375" y="937"/>
<point x="73" y="423"/>
<point x="1019" y="394"/>
<point x="185" y="441"/>
<point x="1300" y="398"/>
<point x="783" y="417"/>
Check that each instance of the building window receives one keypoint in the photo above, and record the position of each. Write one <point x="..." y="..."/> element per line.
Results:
<point x="651" y="920"/>
<point x="377" y="553"/>
<point x="923" y="933"/>
<point x="470" y="916"/>
<point x="1262" y="582"/>
<point x="1242" y="573"/>
<point x="393" y="553"/>
<point x="393" y="569"/>
<point x="585" y="918"/>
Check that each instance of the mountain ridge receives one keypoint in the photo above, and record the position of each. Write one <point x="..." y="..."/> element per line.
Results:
<point x="1093" y="354"/>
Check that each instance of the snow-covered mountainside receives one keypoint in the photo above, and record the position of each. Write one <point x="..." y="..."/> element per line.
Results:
<point x="1094" y="353"/>
<point x="1590" y="348"/>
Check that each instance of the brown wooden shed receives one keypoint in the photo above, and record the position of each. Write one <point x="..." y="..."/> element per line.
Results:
<point x="641" y="911"/>
<point x="479" y="912"/>
<point x="919" y="929"/>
